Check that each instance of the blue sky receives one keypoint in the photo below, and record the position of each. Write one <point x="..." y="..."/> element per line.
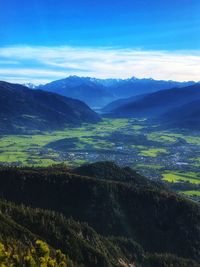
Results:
<point x="111" y="38"/>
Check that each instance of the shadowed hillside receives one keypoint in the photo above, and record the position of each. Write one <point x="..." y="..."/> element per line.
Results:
<point x="185" y="116"/>
<point x="158" y="103"/>
<point x="114" y="202"/>
<point x="23" y="110"/>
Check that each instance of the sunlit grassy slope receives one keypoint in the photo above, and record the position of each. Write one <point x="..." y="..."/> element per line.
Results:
<point x="174" y="177"/>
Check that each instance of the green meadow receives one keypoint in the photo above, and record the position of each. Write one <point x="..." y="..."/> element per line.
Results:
<point x="175" y="177"/>
<point x="31" y="149"/>
<point x="191" y="193"/>
<point x="162" y="137"/>
<point x="144" y="148"/>
<point x="153" y="152"/>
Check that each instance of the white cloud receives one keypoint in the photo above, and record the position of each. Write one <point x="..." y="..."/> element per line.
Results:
<point x="42" y="64"/>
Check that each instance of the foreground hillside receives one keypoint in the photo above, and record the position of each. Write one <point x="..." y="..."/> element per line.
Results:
<point x="101" y="215"/>
<point x="36" y="254"/>
<point x="23" y="110"/>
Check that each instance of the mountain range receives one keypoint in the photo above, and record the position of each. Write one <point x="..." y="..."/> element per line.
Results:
<point x="85" y="89"/>
<point x="99" y="92"/>
<point x="23" y="109"/>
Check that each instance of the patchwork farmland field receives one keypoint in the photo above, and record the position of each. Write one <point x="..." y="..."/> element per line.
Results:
<point x="160" y="155"/>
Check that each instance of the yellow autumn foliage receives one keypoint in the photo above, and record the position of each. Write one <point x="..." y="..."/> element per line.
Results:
<point x="38" y="255"/>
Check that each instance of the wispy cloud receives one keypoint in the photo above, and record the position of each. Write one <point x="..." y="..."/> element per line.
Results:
<point x="42" y="64"/>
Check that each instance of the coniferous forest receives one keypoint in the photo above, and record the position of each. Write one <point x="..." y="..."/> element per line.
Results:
<point x="95" y="215"/>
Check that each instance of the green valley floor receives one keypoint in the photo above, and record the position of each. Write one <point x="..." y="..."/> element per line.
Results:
<point x="171" y="156"/>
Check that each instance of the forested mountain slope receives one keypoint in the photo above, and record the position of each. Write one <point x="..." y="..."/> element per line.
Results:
<point x="23" y="110"/>
<point x="116" y="203"/>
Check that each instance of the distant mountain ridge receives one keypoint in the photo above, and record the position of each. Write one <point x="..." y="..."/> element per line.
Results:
<point x="23" y="109"/>
<point x="135" y="86"/>
<point x="85" y="89"/>
<point x="99" y="92"/>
